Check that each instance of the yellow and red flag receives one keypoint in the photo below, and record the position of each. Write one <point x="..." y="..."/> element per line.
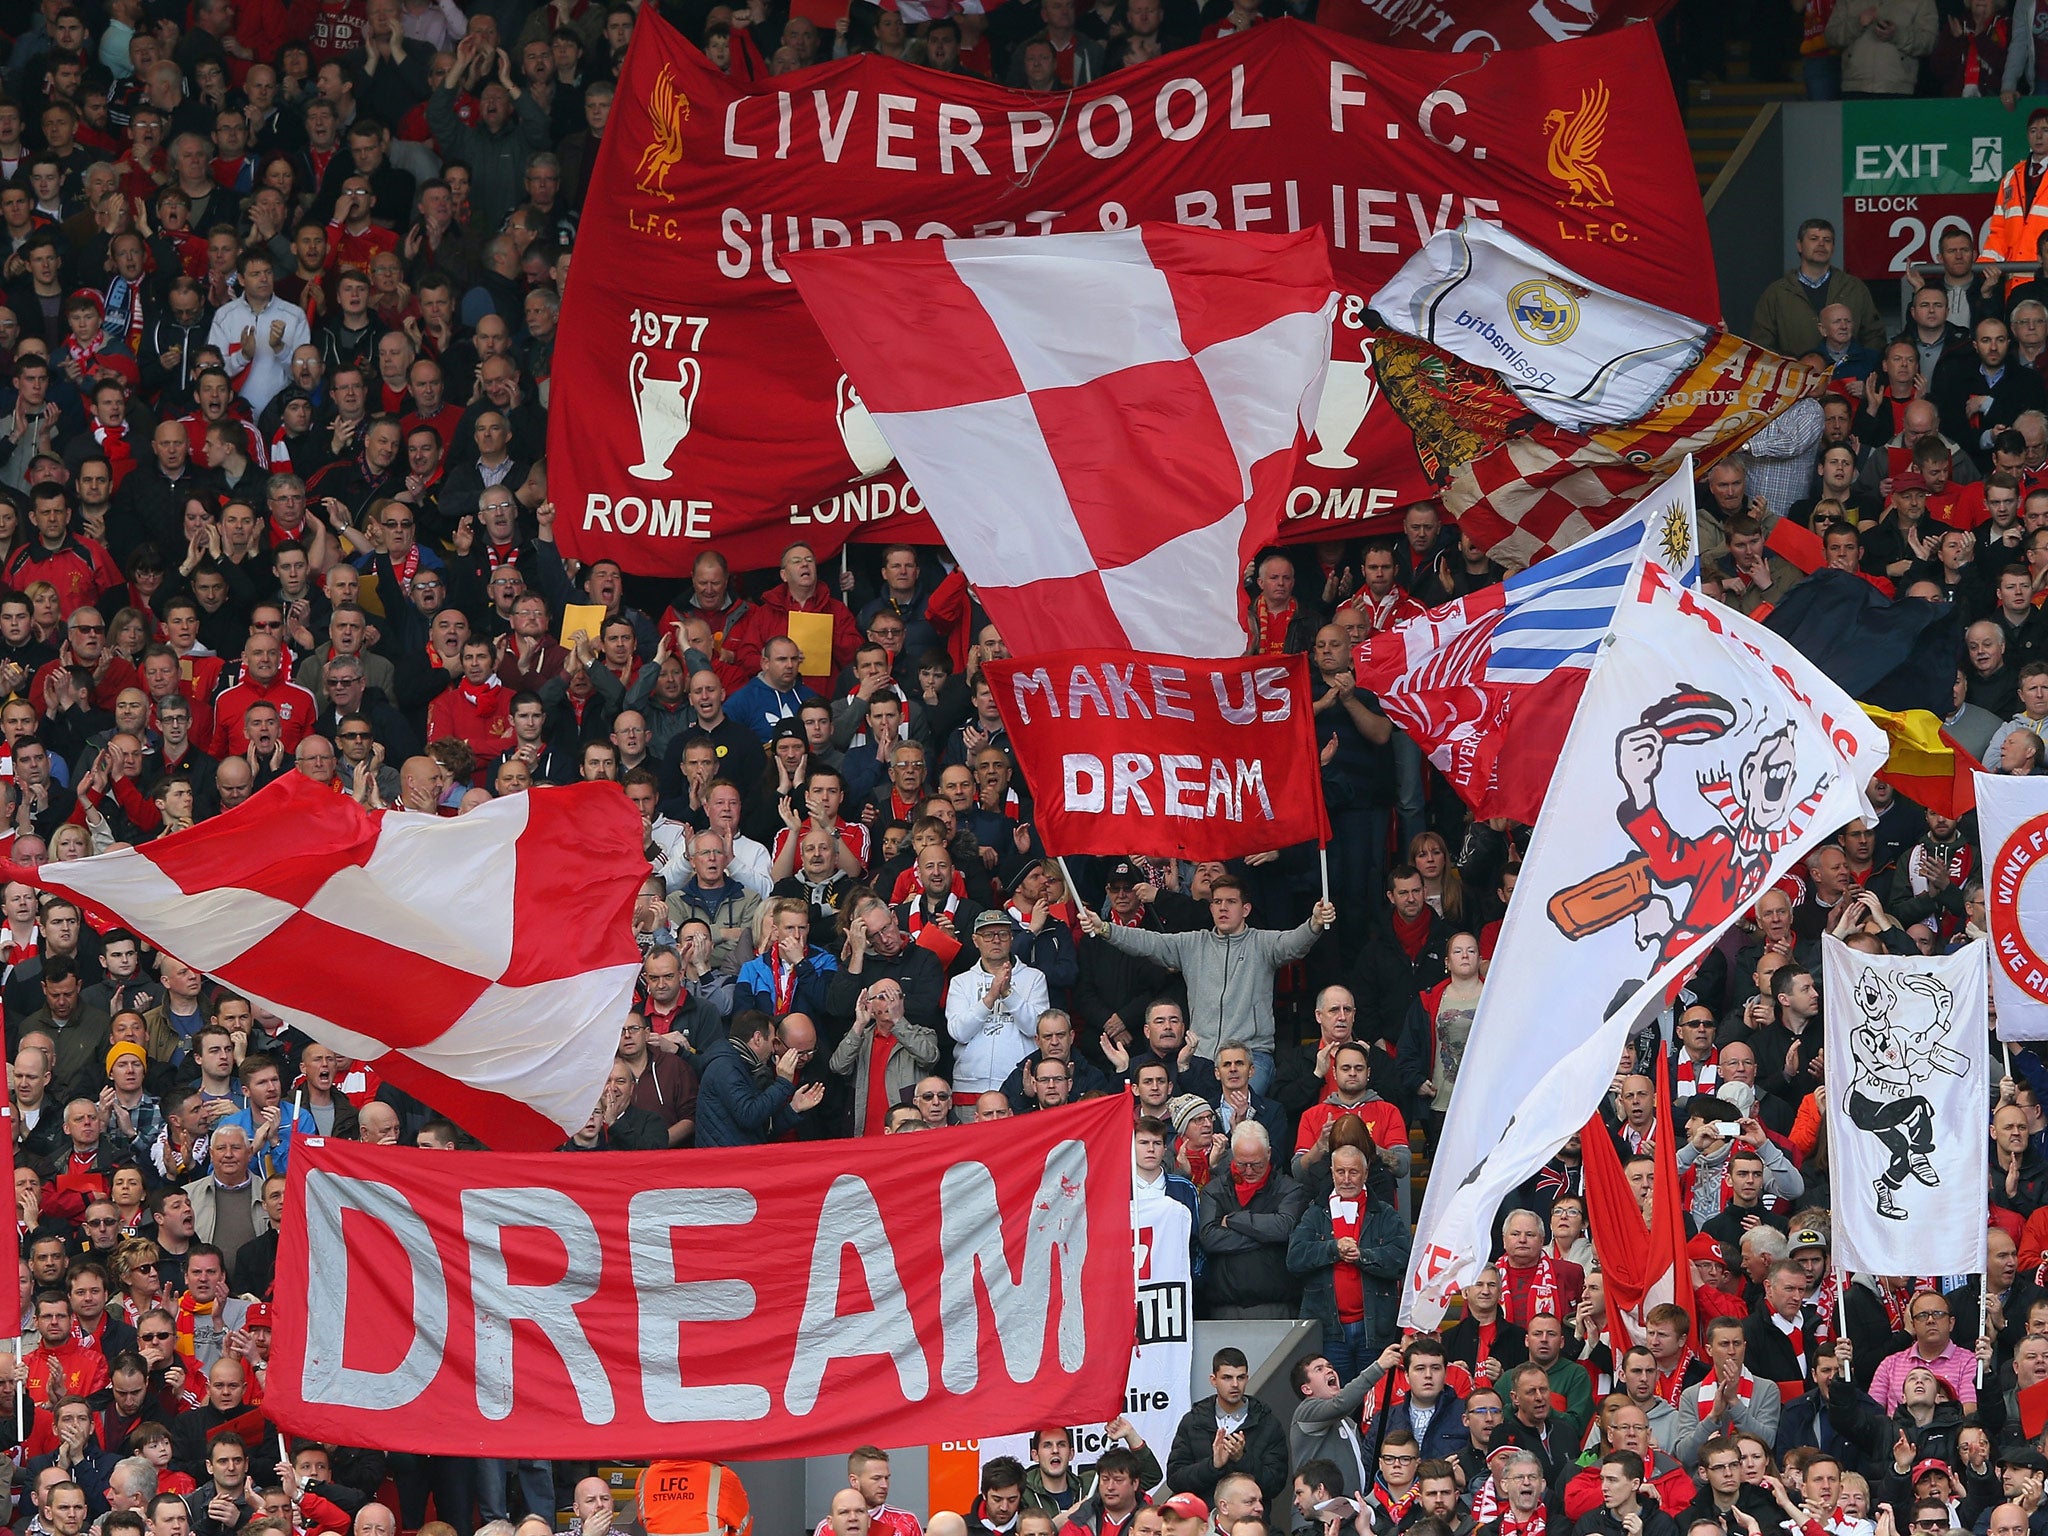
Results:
<point x="1927" y="765"/>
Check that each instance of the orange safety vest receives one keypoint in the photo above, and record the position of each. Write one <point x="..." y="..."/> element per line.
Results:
<point x="693" y="1498"/>
<point x="2019" y="218"/>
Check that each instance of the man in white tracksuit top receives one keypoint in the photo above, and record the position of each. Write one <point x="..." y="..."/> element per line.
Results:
<point x="992" y="1010"/>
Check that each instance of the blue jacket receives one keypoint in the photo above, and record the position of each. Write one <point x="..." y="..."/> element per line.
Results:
<point x="756" y="986"/>
<point x="731" y="1110"/>
<point x="1447" y="1434"/>
<point x="758" y="707"/>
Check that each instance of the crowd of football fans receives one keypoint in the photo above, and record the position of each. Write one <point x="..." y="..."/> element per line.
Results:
<point x="281" y="286"/>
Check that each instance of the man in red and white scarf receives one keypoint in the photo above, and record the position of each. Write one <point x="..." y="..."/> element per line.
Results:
<point x="1533" y="1280"/>
<point x="1730" y="1401"/>
<point x="1381" y="600"/>
<point x="1667" y="1330"/>
<point x="1695" y="1063"/>
<point x="1519" y="1478"/>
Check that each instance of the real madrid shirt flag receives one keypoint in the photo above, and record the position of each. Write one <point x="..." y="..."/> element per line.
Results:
<point x="1580" y="355"/>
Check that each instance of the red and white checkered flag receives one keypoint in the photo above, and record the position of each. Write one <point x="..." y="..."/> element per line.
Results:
<point x="1103" y="426"/>
<point x="483" y="963"/>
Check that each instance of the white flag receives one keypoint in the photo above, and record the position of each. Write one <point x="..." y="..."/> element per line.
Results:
<point x="2012" y="824"/>
<point x="1579" y="354"/>
<point x="1159" y="1391"/>
<point x="1908" y="1097"/>
<point x="1706" y="758"/>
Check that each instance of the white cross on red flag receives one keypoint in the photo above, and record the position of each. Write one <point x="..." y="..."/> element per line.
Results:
<point x="1103" y="426"/>
<point x="483" y="963"/>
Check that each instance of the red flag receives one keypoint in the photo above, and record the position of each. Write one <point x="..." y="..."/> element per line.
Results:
<point x="1642" y="1267"/>
<point x="2033" y="1406"/>
<point x="1796" y="545"/>
<point x="1164" y="755"/>
<point x="751" y="1304"/>
<point x="449" y="943"/>
<point x="697" y="403"/>
<point x="1486" y="24"/>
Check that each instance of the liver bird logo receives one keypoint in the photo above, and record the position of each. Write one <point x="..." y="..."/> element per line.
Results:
<point x="1575" y="138"/>
<point x="668" y="109"/>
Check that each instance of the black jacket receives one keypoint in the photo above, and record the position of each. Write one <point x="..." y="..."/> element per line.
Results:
<point x="1191" y="1465"/>
<point x="1247" y="1245"/>
<point x="1383" y="1241"/>
<point x="1751" y="1500"/>
<point x="1655" y="1522"/>
<point x="1112" y="982"/>
<point x="1462" y="1343"/>
<point x="1387" y="983"/>
<point x="1556" y="1450"/>
<point x="1770" y="1352"/>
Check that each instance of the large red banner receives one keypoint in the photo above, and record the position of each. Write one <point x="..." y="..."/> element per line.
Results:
<point x="695" y="401"/>
<point x="1460" y="26"/>
<point x="1132" y="753"/>
<point x="745" y="1304"/>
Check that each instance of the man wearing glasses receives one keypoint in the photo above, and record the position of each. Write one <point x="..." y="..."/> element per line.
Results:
<point x="1933" y="1324"/>
<point x="933" y="1100"/>
<point x="1725" y="1498"/>
<point x="85" y="645"/>
<point x="345" y="685"/>
<point x="402" y="558"/>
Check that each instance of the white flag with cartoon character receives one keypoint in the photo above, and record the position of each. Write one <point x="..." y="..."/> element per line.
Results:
<point x="1707" y="757"/>
<point x="1908" y="1085"/>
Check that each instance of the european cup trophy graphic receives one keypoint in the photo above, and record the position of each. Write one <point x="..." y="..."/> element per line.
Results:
<point x="1349" y="390"/>
<point x="663" y="408"/>
<point x="870" y="452"/>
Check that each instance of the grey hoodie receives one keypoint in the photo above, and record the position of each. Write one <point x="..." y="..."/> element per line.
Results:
<point x="1229" y="980"/>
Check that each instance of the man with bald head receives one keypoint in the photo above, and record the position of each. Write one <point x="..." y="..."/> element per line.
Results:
<point x="1920" y="418"/>
<point x="419" y="786"/>
<point x="849" y="1514"/>
<point x="591" y="1505"/>
<point x="314" y="757"/>
<point x="375" y="1520"/>
<point x="1838" y="344"/>
<point x="377" y="1126"/>
<point x="233" y="781"/>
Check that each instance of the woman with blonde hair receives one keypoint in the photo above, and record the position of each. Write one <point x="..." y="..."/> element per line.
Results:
<point x="1442" y="886"/>
<point x="134" y="1267"/>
